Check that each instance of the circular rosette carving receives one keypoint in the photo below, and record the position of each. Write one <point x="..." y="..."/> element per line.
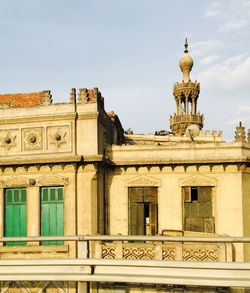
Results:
<point x="33" y="139"/>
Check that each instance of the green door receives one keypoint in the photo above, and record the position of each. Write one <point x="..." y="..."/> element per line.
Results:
<point x="15" y="214"/>
<point x="52" y="213"/>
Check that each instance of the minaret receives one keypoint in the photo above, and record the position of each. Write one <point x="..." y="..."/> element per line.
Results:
<point x="186" y="95"/>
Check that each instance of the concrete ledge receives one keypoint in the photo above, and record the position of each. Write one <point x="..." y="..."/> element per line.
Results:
<point x="35" y="248"/>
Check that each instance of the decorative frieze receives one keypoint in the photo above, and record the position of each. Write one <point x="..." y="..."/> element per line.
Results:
<point x="45" y="139"/>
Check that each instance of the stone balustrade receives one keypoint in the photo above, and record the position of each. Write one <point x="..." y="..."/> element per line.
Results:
<point x="206" y="252"/>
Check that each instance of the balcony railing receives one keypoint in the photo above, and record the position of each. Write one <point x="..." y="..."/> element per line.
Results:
<point x="177" y="119"/>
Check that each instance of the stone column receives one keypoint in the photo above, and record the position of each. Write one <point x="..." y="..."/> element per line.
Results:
<point x="179" y="105"/>
<point x="1" y="214"/>
<point x="193" y="106"/>
<point x="33" y="212"/>
<point x="186" y="104"/>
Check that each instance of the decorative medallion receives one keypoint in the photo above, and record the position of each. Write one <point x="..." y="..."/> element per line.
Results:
<point x="33" y="139"/>
<point x="8" y="141"/>
<point x="58" y="138"/>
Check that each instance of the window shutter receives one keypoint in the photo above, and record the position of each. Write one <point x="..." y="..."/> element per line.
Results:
<point x="186" y="193"/>
<point x="15" y="214"/>
<point x="136" y="223"/>
<point x="52" y="214"/>
<point x="199" y="213"/>
<point x="153" y="218"/>
<point x="142" y="200"/>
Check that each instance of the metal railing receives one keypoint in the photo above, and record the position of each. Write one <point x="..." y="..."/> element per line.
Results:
<point x="86" y="268"/>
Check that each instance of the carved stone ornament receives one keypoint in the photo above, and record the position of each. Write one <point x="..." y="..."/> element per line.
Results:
<point x="50" y="180"/>
<point x="8" y="141"/>
<point x="15" y="181"/>
<point x="34" y="287"/>
<point x="33" y="139"/>
<point x="198" y="180"/>
<point x="144" y="181"/>
<point x="58" y="138"/>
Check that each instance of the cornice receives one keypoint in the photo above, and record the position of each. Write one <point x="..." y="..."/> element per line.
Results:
<point x="87" y="115"/>
<point x="220" y="161"/>
<point x="39" y="159"/>
<point x="50" y="159"/>
<point x="37" y="118"/>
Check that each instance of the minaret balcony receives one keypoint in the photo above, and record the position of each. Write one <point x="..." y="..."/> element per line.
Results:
<point x="179" y="123"/>
<point x="191" y="119"/>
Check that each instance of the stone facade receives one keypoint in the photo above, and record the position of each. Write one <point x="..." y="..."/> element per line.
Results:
<point x="83" y="149"/>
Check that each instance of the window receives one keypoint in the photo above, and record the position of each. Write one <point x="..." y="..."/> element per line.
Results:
<point x="142" y="210"/>
<point x="52" y="213"/>
<point x="198" y="209"/>
<point x="15" y="210"/>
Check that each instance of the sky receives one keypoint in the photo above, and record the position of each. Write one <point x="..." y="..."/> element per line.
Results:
<point x="130" y="50"/>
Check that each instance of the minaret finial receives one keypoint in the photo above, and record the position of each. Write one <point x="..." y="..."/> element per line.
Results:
<point x="186" y="63"/>
<point x="186" y="46"/>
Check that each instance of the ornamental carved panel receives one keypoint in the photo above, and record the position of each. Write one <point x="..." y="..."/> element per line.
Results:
<point x="58" y="138"/>
<point x="9" y="140"/>
<point x="108" y="252"/>
<point x="32" y="138"/>
<point x="138" y="252"/>
<point x="34" y="287"/>
<point x="144" y="181"/>
<point x="208" y="255"/>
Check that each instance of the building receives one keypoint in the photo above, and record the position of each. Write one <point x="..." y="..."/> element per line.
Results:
<point x="70" y="169"/>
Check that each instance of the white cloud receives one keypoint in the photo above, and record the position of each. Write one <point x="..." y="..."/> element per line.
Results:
<point x="205" y="48"/>
<point x="231" y="15"/>
<point x="208" y="60"/>
<point x="230" y="75"/>
<point x="242" y="114"/>
<point x="213" y="10"/>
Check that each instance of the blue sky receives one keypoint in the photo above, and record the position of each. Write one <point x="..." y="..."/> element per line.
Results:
<point x="130" y="50"/>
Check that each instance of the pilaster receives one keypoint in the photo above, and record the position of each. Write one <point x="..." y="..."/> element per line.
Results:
<point x="33" y="212"/>
<point x="87" y="200"/>
<point x="1" y="213"/>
